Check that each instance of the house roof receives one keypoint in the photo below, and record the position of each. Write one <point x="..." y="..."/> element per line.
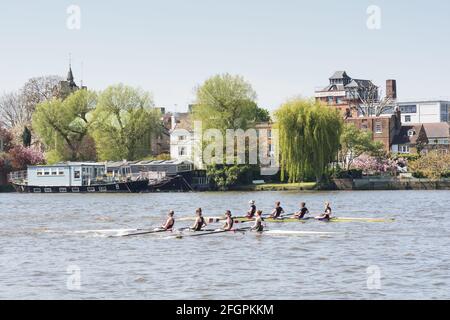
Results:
<point x="339" y="75"/>
<point x="183" y="121"/>
<point x="403" y="136"/>
<point x="437" y="130"/>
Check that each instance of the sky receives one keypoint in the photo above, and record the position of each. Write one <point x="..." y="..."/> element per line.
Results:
<point x="283" y="48"/>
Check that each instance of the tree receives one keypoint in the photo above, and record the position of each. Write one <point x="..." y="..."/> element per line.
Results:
<point x="124" y="123"/>
<point x="355" y="142"/>
<point x="374" y="165"/>
<point x="6" y="139"/>
<point x="371" y="104"/>
<point x="64" y="125"/>
<point x="26" y="137"/>
<point x="21" y="157"/>
<point x="433" y="165"/>
<point x="262" y="115"/>
<point x="309" y="134"/>
<point x="13" y="110"/>
<point x="226" y="102"/>
<point x="225" y="176"/>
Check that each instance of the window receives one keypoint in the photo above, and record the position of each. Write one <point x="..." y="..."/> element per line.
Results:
<point x="182" y="151"/>
<point x="63" y="190"/>
<point x="91" y="189"/>
<point x="40" y="173"/>
<point x="338" y="100"/>
<point x="378" y="127"/>
<point x="411" y="132"/>
<point x="46" y="172"/>
<point x="48" y="190"/>
<point x="1" y="144"/>
<point x="76" y="174"/>
<point x="37" y="190"/>
<point x="54" y="172"/>
<point x="330" y="100"/>
<point x="404" y="149"/>
<point x="407" y="118"/>
<point x="75" y="189"/>
<point x="181" y="138"/>
<point x="408" y="109"/>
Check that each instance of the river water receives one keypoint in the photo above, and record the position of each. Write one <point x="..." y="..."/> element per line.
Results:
<point x="47" y="252"/>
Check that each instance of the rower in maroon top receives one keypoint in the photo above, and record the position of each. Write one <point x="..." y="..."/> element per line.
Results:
<point x="326" y="215"/>
<point x="199" y="221"/>
<point x="277" y="211"/>
<point x="170" y="222"/>
<point x="302" y="212"/>
<point x="252" y="210"/>
<point x="228" y="226"/>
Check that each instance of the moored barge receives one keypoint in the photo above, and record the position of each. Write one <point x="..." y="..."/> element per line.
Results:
<point x="75" y="177"/>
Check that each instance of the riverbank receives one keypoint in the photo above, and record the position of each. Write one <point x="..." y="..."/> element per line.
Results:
<point x="302" y="186"/>
<point x="391" y="183"/>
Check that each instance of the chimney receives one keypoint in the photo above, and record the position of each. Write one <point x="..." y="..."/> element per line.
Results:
<point x="173" y="121"/>
<point x="391" y="89"/>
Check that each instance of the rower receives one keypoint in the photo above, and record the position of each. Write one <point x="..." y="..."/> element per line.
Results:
<point x="258" y="225"/>
<point x="277" y="211"/>
<point x="326" y="215"/>
<point x="170" y="222"/>
<point x="252" y="210"/>
<point x="302" y="212"/>
<point x="199" y="221"/>
<point x="228" y="226"/>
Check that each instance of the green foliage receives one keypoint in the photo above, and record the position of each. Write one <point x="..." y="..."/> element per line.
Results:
<point x="406" y="156"/>
<point x="226" y="102"/>
<point x="432" y="165"/>
<point x="26" y="137"/>
<point x="124" y="123"/>
<point x="225" y="176"/>
<point x="355" y="142"/>
<point x="309" y="136"/>
<point x="348" y="174"/>
<point x="262" y="115"/>
<point x="63" y="126"/>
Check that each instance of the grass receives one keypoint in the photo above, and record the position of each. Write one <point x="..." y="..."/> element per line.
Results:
<point x="279" y="186"/>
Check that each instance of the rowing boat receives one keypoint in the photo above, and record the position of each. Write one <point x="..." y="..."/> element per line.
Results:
<point x="334" y="219"/>
<point x="290" y="219"/>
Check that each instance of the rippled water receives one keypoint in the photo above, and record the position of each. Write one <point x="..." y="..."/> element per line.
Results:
<point x="39" y="241"/>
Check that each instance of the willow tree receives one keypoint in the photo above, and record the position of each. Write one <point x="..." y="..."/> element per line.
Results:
<point x="63" y="126"/>
<point x="309" y="134"/>
<point x="124" y="123"/>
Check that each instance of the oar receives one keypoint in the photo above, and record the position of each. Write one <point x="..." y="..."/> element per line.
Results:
<point x="215" y="232"/>
<point x="142" y="233"/>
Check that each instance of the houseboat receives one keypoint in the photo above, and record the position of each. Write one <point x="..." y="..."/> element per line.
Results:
<point x="75" y="177"/>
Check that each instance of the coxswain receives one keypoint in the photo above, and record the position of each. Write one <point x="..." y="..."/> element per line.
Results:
<point x="326" y="215"/>
<point x="300" y="214"/>
<point x="258" y="225"/>
<point x="228" y="226"/>
<point x="199" y="221"/>
<point x="170" y="222"/>
<point x="252" y="210"/>
<point x="277" y="211"/>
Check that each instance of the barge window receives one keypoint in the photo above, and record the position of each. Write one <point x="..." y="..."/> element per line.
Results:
<point x="76" y="174"/>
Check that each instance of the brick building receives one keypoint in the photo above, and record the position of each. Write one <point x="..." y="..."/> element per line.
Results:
<point x="384" y="128"/>
<point x="345" y="93"/>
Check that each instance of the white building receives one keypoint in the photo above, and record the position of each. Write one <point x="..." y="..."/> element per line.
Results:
<point x="425" y="111"/>
<point x="184" y="146"/>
